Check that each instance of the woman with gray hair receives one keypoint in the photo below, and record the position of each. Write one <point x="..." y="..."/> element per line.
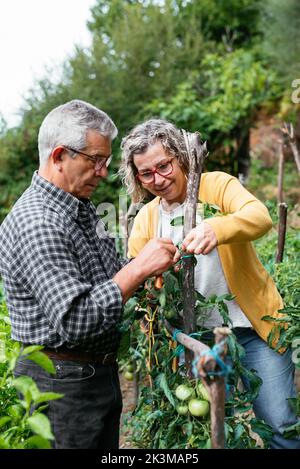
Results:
<point x="138" y="141"/>
<point x="155" y="161"/>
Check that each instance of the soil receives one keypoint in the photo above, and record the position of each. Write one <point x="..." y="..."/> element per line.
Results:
<point x="127" y="388"/>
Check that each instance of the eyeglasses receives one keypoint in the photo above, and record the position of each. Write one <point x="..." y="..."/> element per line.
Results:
<point x="163" y="169"/>
<point x="98" y="161"/>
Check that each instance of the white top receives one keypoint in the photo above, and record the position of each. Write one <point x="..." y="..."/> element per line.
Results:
<point x="209" y="275"/>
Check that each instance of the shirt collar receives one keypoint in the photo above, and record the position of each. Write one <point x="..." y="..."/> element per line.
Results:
<point x="58" y="198"/>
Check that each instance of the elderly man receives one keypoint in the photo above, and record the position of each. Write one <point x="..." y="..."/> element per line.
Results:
<point x="155" y="161"/>
<point x="64" y="283"/>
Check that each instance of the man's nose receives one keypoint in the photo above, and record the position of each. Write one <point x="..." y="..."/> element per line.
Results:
<point x="103" y="172"/>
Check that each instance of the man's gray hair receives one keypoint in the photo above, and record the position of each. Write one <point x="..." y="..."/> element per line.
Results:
<point x="139" y="140"/>
<point x="68" y="125"/>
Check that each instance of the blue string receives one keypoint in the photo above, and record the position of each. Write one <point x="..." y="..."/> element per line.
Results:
<point x="180" y="348"/>
<point x="194" y="367"/>
<point x="177" y="331"/>
<point x="213" y="352"/>
<point x="178" y="351"/>
<point x="195" y="334"/>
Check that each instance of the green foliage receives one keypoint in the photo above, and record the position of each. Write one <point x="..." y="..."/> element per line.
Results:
<point x="280" y="25"/>
<point x="22" y="423"/>
<point x="262" y="183"/>
<point x="285" y="274"/>
<point x="225" y="89"/>
<point x="198" y="63"/>
<point x="220" y="99"/>
<point x="158" y="422"/>
<point x="231" y="22"/>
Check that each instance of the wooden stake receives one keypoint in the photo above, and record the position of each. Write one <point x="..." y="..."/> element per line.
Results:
<point x="196" y="154"/>
<point x="217" y="392"/>
<point x="288" y="130"/>
<point x="280" y="173"/>
<point x="281" y="231"/>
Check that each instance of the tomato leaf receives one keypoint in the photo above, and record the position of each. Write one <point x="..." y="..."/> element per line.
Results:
<point x="162" y="380"/>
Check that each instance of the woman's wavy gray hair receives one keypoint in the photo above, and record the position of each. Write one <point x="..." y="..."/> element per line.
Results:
<point x="138" y="141"/>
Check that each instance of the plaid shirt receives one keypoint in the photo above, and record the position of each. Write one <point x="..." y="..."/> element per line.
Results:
<point x="57" y="261"/>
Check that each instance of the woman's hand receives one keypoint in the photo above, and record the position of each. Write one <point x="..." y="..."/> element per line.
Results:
<point x="200" y="240"/>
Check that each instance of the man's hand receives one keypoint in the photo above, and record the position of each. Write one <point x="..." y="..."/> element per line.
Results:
<point x="154" y="259"/>
<point x="157" y="256"/>
<point x="200" y="240"/>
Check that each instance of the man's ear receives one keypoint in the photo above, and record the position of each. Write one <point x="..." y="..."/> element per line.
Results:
<point x="56" y="156"/>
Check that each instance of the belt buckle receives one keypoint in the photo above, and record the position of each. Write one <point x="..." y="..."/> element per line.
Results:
<point x="108" y="358"/>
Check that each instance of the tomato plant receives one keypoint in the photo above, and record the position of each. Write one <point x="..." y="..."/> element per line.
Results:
<point x="169" y="414"/>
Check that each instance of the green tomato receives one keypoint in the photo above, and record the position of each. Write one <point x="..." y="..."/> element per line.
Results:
<point x="162" y="299"/>
<point x="169" y="314"/>
<point x="198" y="407"/>
<point x="129" y="367"/>
<point x="182" y="409"/>
<point x="202" y="392"/>
<point x="128" y="375"/>
<point x="183" y="392"/>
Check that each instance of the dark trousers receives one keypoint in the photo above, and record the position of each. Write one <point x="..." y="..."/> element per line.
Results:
<point x="88" y="416"/>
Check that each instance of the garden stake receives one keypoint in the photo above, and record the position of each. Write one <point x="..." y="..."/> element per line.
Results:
<point x="196" y="153"/>
<point x="281" y="231"/>
<point x="206" y="365"/>
<point x="217" y="391"/>
<point x="288" y="130"/>
<point x="280" y="173"/>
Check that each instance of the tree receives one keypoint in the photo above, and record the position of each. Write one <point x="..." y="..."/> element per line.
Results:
<point x="220" y="100"/>
<point x="280" y="24"/>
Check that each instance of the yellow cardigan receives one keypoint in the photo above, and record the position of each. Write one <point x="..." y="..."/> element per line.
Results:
<point x="246" y="220"/>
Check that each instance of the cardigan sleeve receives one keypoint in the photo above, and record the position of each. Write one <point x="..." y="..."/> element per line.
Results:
<point x="138" y="237"/>
<point x="244" y="218"/>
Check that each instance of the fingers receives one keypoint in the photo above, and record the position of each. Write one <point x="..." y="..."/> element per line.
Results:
<point x="158" y="255"/>
<point x="188" y="239"/>
<point x="168" y="244"/>
<point x="200" y="240"/>
<point x="177" y="256"/>
<point x="165" y="240"/>
<point x="194" y="241"/>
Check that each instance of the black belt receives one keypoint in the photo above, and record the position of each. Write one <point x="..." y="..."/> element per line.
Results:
<point x="80" y="356"/>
